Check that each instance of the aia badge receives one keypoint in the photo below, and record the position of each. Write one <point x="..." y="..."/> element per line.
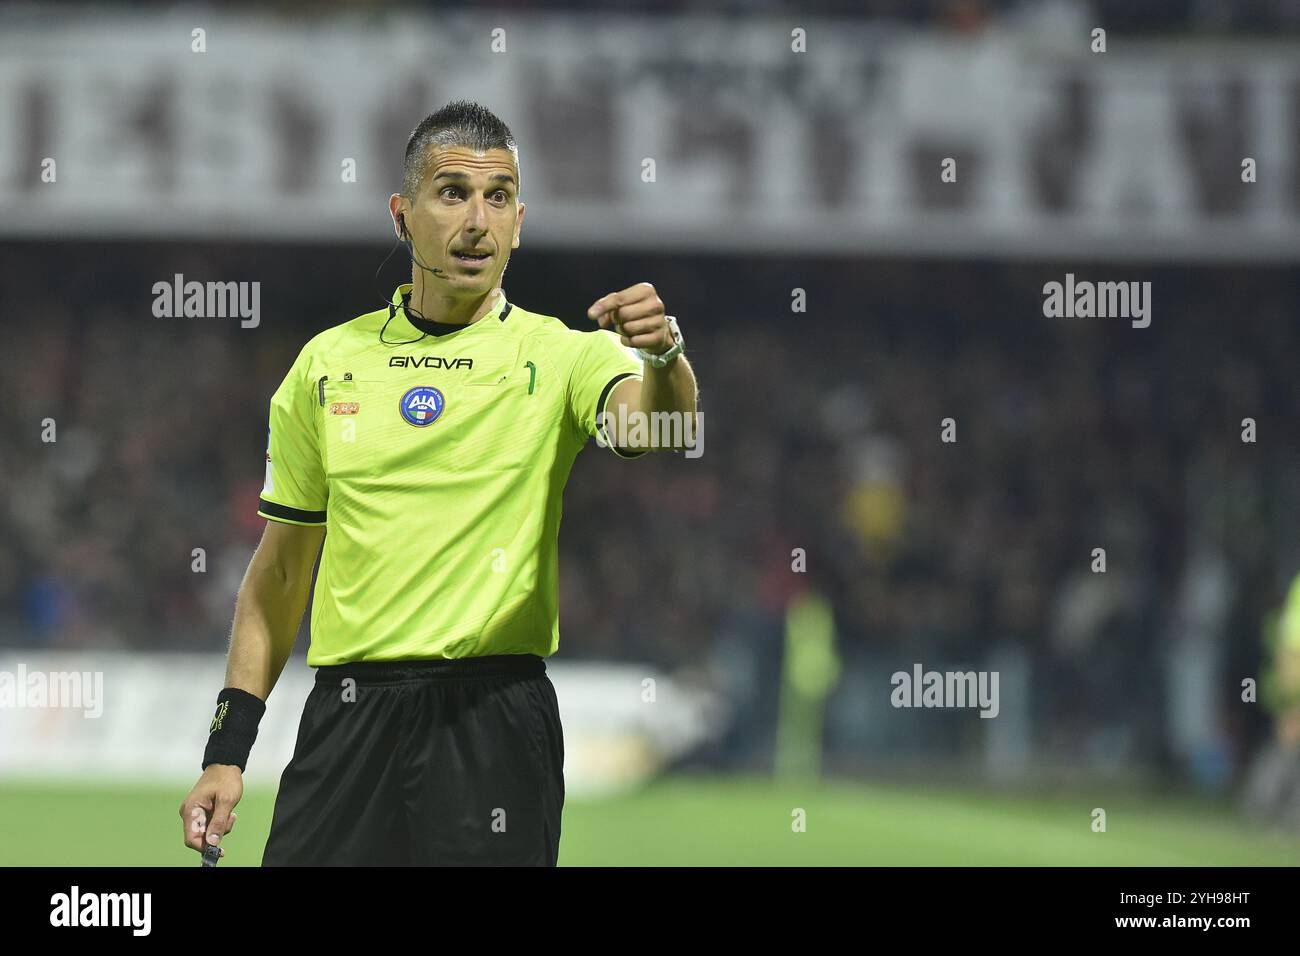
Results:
<point x="345" y="408"/>
<point x="422" y="405"/>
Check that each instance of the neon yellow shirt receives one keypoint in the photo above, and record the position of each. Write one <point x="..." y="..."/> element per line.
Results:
<point x="437" y="465"/>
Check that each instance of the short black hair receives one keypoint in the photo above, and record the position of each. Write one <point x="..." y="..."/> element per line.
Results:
<point x="459" y="123"/>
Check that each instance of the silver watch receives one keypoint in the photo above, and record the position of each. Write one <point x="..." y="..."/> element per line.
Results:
<point x="679" y="345"/>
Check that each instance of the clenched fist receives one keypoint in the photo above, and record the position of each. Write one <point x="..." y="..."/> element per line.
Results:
<point x="637" y="314"/>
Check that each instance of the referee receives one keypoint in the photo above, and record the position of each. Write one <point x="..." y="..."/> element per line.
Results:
<point x="427" y="445"/>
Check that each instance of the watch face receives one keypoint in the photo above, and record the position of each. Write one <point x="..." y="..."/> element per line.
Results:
<point x="674" y="331"/>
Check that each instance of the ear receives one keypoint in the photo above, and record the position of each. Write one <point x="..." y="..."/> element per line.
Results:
<point x="519" y="224"/>
<point x="397" y="208"/>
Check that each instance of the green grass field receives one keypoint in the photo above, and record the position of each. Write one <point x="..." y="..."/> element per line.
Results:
<point x="709" y="821"/>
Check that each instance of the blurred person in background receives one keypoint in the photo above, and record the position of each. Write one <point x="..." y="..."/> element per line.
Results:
<point x="1272" y="792"/>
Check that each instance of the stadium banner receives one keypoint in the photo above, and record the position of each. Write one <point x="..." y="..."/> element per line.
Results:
<point x="681" y="133"/>
<point x="139" y="718"/>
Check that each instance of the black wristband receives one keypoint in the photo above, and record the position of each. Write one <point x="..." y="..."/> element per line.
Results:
<point x="234" y="727"/>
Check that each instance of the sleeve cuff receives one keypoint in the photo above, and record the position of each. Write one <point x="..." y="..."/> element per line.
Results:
<point x="278" y="512"/>
<point x="600" y="408"/>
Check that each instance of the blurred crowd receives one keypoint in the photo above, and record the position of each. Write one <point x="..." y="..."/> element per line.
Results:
<point x="1168" y="17"/>
<point x="131" y="456"/>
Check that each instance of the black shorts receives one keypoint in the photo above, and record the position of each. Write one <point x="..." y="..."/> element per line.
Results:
<point x="447" y="762"/>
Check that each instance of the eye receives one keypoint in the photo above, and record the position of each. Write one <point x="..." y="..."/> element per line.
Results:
<point x="446" y="188"/>
<point x="505" y="196"/>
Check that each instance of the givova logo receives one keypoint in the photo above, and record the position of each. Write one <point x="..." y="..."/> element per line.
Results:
<point x="102" y="909"/>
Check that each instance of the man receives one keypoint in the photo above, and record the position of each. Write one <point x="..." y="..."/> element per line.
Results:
<point x="432" y="439"/>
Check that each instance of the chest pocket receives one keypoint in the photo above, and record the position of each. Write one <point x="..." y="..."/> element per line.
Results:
<point x="350" y="422"/>
<point x="498" y="419"/>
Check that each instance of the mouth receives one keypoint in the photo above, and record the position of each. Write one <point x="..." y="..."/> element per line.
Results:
<point x="472" y="258"/>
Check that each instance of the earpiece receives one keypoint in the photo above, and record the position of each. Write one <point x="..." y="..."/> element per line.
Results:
<point x="405" y="237"/>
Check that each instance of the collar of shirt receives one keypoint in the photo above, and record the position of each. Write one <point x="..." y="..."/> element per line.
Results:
<point x="401" y="298"/>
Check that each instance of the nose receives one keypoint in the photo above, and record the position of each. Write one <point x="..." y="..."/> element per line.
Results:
<point x="476" y="216"/>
